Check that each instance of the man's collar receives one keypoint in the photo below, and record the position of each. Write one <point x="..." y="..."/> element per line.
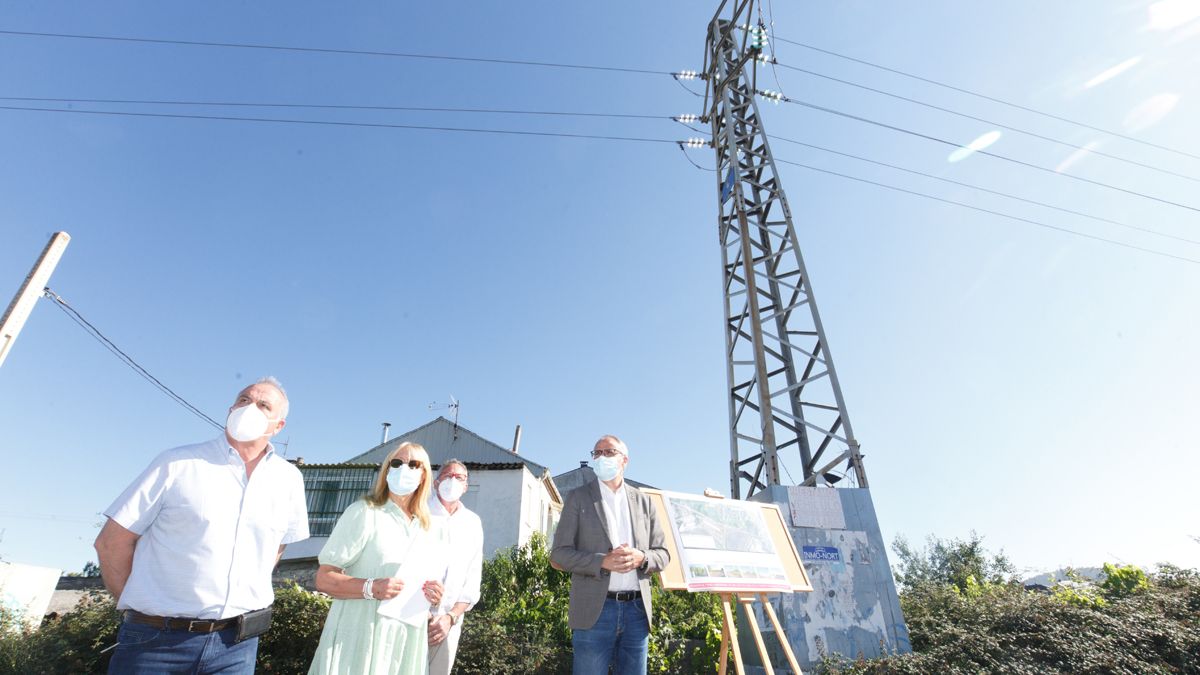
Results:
<point x="605" y="489"/>
<point x="267" y="452"/>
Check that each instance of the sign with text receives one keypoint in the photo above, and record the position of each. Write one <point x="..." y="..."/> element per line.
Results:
<point x="820" y="554"/>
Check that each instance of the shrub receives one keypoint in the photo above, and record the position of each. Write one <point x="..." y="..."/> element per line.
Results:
<point x="1123" y="580"/>
<point x="68" y="644"/>
<point x="299" y="617"/>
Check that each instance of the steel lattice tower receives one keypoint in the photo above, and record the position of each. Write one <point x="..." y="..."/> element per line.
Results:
<point x="784" y="395"/>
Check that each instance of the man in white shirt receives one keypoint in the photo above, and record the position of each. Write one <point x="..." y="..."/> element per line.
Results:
<point x="465" y="542"/>
<point x="610" y="540"/>
<point x="189" y="546"/>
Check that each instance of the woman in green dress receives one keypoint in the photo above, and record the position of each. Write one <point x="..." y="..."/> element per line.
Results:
<point x="360" y="566"/>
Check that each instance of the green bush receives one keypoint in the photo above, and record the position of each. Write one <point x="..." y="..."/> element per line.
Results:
<point x="69" y="644"/>
<point x="685" y="636"/>
<point x="520" y="624"/>
<point x="296" y="627"/>
<point x="1127" y="627"/>
<point x="1123" y="580"/>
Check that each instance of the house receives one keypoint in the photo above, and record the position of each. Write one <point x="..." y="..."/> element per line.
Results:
<point x="513" y="495"/>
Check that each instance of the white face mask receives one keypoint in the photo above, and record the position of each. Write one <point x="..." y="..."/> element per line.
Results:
<point x="404" y="481"/>
<point x="607" y="468"/>
<point x="451" y="489"/>
<point x="247" y="423"/>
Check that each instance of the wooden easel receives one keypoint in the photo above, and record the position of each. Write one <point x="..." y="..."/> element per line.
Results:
<point x="729" y="634"/>
<point x="743" y="593"/>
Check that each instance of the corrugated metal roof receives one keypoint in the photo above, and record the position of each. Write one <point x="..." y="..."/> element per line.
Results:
<point x="472" y="466"/>
<point x="443" y="441"/>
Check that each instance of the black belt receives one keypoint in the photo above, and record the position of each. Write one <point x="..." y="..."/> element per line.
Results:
<point x="180" y="623"/>
<point x="624" y="596"/>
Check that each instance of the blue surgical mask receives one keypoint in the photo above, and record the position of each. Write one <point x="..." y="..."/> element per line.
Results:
<point x="607" y="468"/>
<point x="404" y="481"/>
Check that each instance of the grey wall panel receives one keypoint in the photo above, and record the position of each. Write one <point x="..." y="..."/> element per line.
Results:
<point x="853" y="609"/>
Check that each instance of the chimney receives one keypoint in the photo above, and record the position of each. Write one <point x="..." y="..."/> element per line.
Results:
<point x="583" y="463"/>
<point x="517" y="441"/>
<point x="385" y="432"/>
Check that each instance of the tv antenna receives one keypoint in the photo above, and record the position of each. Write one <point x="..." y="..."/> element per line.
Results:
<point x="452" y="405"/>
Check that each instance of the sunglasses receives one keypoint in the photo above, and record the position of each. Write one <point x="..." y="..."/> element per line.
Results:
<point x="412" y="463"/>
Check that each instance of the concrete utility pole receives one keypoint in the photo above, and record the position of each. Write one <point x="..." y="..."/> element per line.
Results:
<point x="22" y="303"/>
<point x="784" y="395"/>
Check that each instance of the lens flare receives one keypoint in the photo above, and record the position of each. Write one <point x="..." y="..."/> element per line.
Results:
<point x="1078" y="155"/>
<point x="1151" y="111"/>
<point x="974" y="146"/>
<point x="1171" y="14"/>
<point x="1113" y="72"/>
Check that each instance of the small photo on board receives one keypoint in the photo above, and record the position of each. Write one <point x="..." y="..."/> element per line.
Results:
<point x="699" y="571"/>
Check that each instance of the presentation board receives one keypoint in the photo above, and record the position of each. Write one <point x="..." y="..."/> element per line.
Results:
<point x="727" y="545"/>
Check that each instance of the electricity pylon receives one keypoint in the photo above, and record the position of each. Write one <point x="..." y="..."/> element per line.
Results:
<point x="784" y="395"/>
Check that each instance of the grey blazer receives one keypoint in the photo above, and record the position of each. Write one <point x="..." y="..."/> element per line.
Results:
<point x="581" y="542"/>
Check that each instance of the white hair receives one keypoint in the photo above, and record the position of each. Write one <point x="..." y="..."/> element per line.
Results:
<point x="449" y="463"/>
<point x="270" y="380"/>
<point x="624" y="449"/>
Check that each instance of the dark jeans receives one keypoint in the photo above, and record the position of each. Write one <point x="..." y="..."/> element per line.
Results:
<point x="620" y="638"/>
<point x="146" y="650"/>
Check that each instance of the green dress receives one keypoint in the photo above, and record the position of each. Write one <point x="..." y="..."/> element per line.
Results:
<point x="369" y="542"/>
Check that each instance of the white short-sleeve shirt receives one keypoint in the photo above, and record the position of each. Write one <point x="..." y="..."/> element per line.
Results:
<point x="209" y="536"/>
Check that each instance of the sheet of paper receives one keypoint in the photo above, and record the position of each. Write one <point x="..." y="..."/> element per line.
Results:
<point x="410" y="605"/>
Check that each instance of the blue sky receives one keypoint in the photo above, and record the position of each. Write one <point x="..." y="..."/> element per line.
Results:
<point x="1034" y="386"/>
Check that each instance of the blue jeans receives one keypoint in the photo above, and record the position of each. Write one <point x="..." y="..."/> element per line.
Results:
<point x="146" y="650"/>
<point x="620" y="638"/>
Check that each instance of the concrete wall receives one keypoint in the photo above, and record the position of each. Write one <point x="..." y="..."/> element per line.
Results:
<point x="853" y="608"/>
<point x="497" y="497"/>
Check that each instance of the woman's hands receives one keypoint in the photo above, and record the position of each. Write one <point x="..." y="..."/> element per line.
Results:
<point x="433" y="591"/>
<point x="384" y="589"/>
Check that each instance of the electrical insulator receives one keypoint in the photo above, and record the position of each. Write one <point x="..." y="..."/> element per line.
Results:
<point x="687" y="118"/>
<point x="696" y="142"/>
<point x="686" y="75"/>
<point x="758" y="37"/>
<point x="774" y="96"/>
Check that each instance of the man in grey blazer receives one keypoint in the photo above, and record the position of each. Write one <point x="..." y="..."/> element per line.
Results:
<point x="610" y="540"/>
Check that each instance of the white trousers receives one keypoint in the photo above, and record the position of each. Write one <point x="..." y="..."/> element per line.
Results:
<point x="441" y="656"/>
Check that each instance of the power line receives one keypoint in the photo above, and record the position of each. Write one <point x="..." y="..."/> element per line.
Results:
<point x="981" y="209"/>
<point x="319" y="106"/>
<point x="375" y="125"/>
<point x="1006" y="158"/>
<point x="75" y="316"/>
<point x="555" y="134"/>
<point x="1025" y="132"/>
<point x="689" y="158"/>
<point x="988" y="190"/>
<point x="321" y="50"/>
<point x="988" y="98"/>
